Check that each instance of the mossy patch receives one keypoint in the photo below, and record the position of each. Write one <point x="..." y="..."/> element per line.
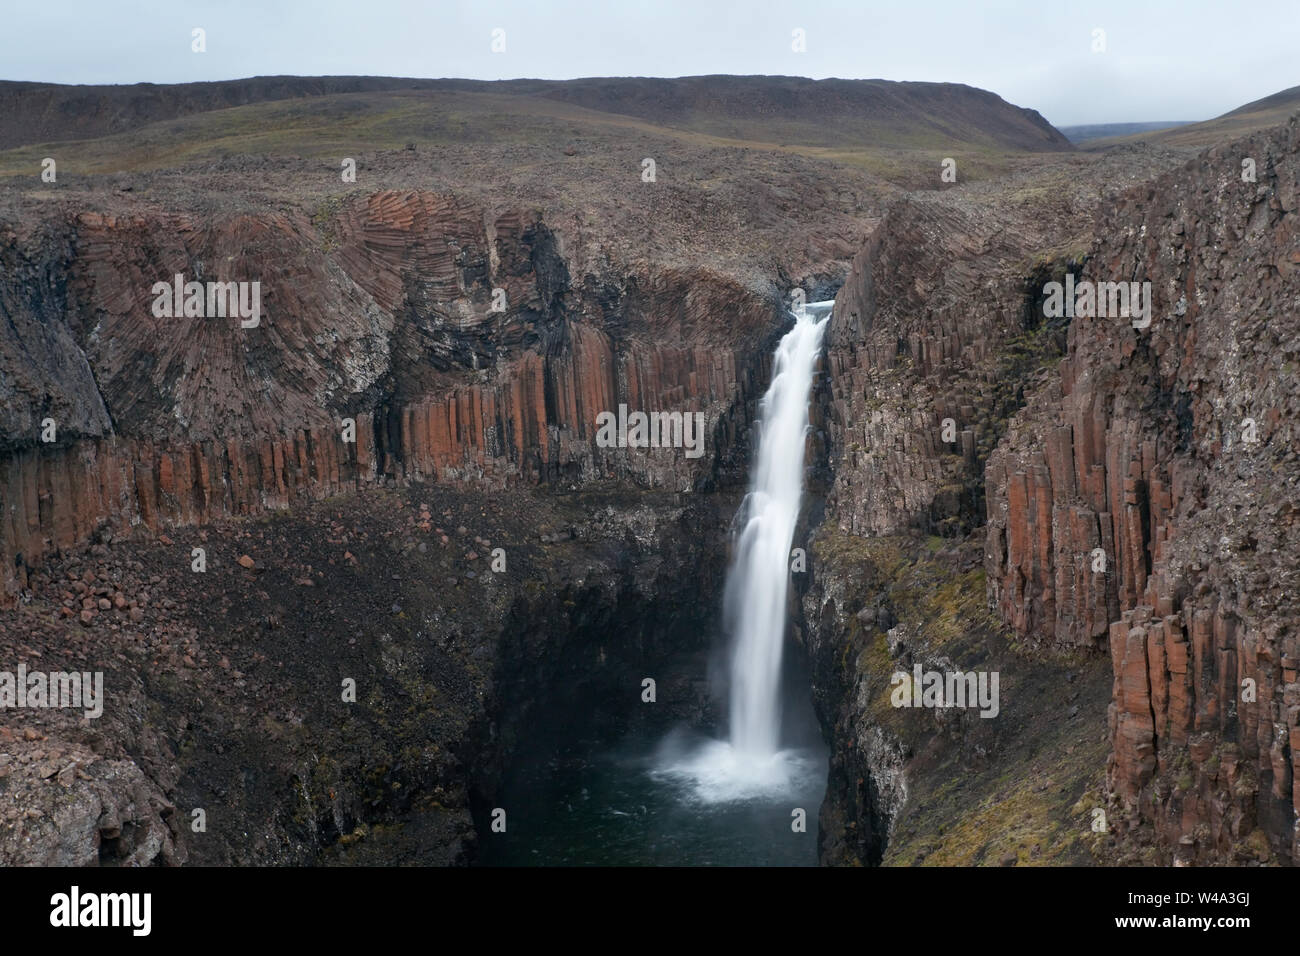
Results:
<point x="1017" y="788"/>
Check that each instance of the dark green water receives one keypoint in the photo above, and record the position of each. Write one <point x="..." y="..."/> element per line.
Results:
<point x="593" y="804"/>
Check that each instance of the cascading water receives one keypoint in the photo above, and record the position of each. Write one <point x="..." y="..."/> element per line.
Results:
<point x="691" y="799"/>
<point x="752" y="762"/>
<point x="760" y="576"/>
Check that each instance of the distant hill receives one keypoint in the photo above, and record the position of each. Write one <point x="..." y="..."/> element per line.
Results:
<point x="1260" y="114"/>
<point x="778" y="110"/>
<point x="1084" y="134"/>
<point x="53" y="112"/>
<point x="817" y="112"/>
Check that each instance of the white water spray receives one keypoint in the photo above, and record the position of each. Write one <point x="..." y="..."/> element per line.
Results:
<point x="758" y="582"/>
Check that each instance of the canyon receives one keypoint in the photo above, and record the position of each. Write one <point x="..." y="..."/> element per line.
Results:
<point x="349" y="465"/>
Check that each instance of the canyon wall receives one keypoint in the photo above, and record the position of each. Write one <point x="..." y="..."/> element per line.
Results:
<point x="1131" y="491"/>
<point x="402" y="335"/>
<point x="920" y="375"/>
<point x="933" y="344"/>
<point x="1144" y="502"/>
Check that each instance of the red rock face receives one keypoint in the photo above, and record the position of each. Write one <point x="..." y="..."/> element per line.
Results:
<point x="379" y="310"/>
<point x="1065" y="532"/>
<point x="1142" y="449"/>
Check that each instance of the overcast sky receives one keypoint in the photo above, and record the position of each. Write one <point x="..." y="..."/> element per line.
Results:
<point x="1163" y="59"/>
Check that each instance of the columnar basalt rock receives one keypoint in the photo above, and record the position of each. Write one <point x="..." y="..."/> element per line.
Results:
<point x="1134" y="495"/>
<point x="920" y="383"/>
<point x="1173" y="450"/>
<point x="405" y="335"/>
<point x="932" y="345"/>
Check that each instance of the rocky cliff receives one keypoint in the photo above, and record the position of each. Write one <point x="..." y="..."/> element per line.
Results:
<point x="918" y="364"/>
<point x="1142" y="503"/>
<point x="403" y="335"/>
<point x="934" y="342"/>
<point x="412" y="347"/>
<point x="170" y="434"/>
<point x="1129" y="490"/>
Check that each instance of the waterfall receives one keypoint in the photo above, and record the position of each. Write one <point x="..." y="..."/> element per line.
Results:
<point x="752" y="761"/>
<point x="755" y="603"/>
